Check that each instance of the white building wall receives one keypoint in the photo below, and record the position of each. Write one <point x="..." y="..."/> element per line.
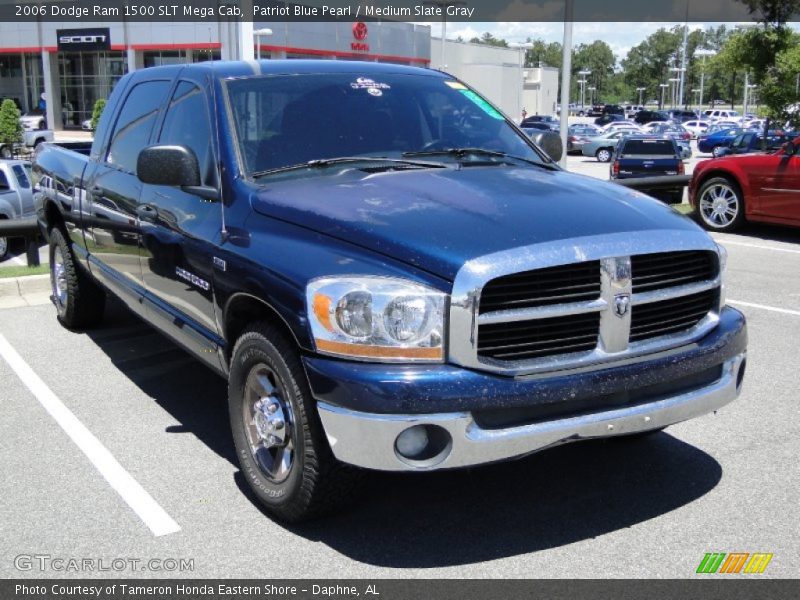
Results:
<point x="540" y="95"/>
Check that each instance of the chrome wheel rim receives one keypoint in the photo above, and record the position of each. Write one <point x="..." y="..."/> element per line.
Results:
<point x="719" y="205"/>
<point x="268" y="423"/>
<point x="58" y="279"/>
<point x="603" y="155"/>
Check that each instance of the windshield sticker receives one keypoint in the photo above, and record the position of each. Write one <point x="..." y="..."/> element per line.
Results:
<point x="456" y="85"/>
<point x="373" y="88"/>
<point x="482" y="104"/>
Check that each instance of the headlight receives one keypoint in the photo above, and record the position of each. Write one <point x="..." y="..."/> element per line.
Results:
<point x="376" y="318"/>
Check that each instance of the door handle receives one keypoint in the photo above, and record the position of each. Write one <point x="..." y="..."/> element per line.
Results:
<point x="147" y="212"/>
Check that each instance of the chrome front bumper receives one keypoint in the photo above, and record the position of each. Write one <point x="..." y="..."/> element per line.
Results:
<point x="368" y="440"/>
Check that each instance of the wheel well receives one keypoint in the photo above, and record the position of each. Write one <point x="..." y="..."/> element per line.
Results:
<point x="726" y="174"/>
<point x="54" y="218"/>
<point x="243" y="310"/>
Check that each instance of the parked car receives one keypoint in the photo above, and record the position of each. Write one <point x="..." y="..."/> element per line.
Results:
<point x="33" y="120"/>
<point x="677" y="133"/>
<point x="621" y="126"/>
<point x="596" y="110"/>
<point x="713" y="142"/>
<point x="726" y="192"/>
<point x="30" y="139"/>
<point x="723" y="115"/>
<point x="16" y="195"/>
<point x="552" y="123"/>
<point x="750" y="141"/>
<point x="602" y="146"/>
<point x="380" y="293"/>
<point x="86" y="125"/>
<point x="649" y="156"/>
<point x="578" y="136"/>
<point x="608" y="118"/>
<point x="613" y="109"/>
<point x="696" y="127"/>
<point x="648" y="116"/>
<point x="631" y="110"/>
<point x="681" y="116"/>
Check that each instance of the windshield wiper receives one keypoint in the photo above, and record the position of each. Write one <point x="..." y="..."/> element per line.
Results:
<point x="462" y="152"/>
<point x="326" y="162"/>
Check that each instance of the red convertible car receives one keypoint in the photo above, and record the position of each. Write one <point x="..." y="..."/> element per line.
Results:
<point x="725" y="192"/>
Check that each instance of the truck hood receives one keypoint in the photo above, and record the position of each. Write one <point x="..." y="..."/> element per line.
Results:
<point x="437" y="219"/>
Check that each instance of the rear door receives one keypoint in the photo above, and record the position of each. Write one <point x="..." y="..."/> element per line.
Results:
<point x="112" y="193"/>
<point x="179" y="231"/>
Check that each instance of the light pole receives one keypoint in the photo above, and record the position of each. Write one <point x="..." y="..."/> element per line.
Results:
<point x="520" y="46"/>
<point x="583" y="73"/>
<point x="703" y="52"/>
<point x="258" y="33"/>
<point x="674" y="81"/>
<point x="640" y="90"/>
<point x="566" y="78"/>
<point x="663" y="86"/>
<point x="697" y="91"/>
<point x="591" y="90"/>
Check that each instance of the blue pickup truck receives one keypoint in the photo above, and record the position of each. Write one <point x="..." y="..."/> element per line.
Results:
<point x="388" y="272"/>
<point x="639" y="156"/>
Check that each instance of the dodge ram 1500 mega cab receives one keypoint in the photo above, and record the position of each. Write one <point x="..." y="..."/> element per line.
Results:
<point x="387" y="271"/>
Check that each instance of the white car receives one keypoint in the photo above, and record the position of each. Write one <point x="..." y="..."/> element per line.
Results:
<point x="722" y="115"/>
<point x="31" y="121"/>
<point x="86" y="125"/>
<point x="648" y="127"/>
<point x="696" y="127"/>
<point x="621" y="126"/>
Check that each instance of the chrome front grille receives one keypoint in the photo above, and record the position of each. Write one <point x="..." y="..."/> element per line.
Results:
<point x="595" y="306"/>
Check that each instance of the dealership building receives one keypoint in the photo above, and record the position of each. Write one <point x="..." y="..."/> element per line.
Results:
<point x="73" y="66"/>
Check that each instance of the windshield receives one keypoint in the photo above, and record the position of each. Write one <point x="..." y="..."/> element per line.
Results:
<point x="285" y="120"/>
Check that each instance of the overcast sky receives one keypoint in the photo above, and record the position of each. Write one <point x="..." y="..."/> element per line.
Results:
<point x="620" y="36"/>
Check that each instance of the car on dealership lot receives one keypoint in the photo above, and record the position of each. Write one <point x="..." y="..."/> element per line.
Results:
<point x="607" y="119"/>
<point x="552" y="123"/>
<point x="680" y="116"/>
<point x="16" y="194"/>
<point x="578" y="136"/>
<point x="30" y="140"/>
<point x="728" y="191"/>
<point x="713" y="142"/>
<point x="631" y="110"/>
<point x="33" y="120"/>
<point x="648" y="116"/>
<point x="86" y="124"/>
<point x="649" y="156"/>
<point x="753" y="141"/>
<point x="621" y="126"/>
<point x="602" y="146"/>
<point x="678" y="133"/>
<point x="696" y="127"/>
<point x="380" y="292"/>
<point x="723" y="115"/>
<point x="532" y="129"/>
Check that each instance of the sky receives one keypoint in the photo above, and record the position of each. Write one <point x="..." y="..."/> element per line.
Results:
<point x="620" y="36"/>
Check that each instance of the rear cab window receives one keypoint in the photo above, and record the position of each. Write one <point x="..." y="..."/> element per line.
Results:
<point x="647" y="148"/>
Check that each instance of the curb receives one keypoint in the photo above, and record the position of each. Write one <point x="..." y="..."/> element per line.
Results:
<point x="22" y="286"/>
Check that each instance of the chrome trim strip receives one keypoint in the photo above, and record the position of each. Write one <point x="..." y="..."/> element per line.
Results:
<point x="675" y="291"/>
<point x="613" y="250"/>
<point x="542" y="312"/>
<point x="368" y="440"/>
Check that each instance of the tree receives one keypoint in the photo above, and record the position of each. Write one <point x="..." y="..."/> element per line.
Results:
<point x="489" y="40"/>
<point x="99" y="106"/>
<point x="10" y="127"/>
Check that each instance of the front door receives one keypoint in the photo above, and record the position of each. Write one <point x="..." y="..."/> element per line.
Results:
<point x="781" y="185"/>
<point x="179" y="231"/>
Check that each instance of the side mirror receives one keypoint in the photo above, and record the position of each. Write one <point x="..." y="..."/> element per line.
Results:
<point x="168" y="165"/>
<point x="550" y="142"/>
<point x="175" y="166"/>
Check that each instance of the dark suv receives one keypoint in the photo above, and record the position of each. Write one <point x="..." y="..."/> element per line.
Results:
<point x="648" y="116"/>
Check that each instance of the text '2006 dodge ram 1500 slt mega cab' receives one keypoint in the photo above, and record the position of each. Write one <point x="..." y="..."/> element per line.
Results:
<point x="389" y="273"/>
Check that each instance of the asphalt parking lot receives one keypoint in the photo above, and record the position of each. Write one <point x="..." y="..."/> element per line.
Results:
<point x="646" y="508"/>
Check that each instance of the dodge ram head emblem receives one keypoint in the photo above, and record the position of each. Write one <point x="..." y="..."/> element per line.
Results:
<point x="622" y="303"/>
<point x="360" y="31"/>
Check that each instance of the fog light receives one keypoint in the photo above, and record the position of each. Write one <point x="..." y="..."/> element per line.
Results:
<point x="412" y="442"/>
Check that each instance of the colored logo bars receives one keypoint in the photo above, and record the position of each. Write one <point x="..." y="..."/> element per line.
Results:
<point x="735" y="562"/>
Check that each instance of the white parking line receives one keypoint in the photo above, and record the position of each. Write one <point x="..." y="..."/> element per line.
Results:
<point x="726" y="242"/>
<point x="784" y="311"/>
<point x="142" y="503"/>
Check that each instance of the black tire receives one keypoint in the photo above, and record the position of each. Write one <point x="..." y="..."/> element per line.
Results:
<point x="4" y="243"/>
<point x="720" y="205"/>
<point x="314" y="483"/>
<point x="79" y="301"/>
<point x="5" y="152"/>
<point x="716" y="150"/>
<point x="603" y="155"/>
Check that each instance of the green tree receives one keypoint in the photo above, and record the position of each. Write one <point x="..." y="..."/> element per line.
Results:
<point x="97" y="112"/>
<point x="489" y="40"/>
<point x="10" y="127"/>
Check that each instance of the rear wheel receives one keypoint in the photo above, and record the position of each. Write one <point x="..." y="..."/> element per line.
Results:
<point x="79" y="301"/>
<point x="5" y="151"/>
<point x="280" y="443"/>
<point x="720" y="204"/>
<point x="716" y="151"/>
<point x="603" y="155"/>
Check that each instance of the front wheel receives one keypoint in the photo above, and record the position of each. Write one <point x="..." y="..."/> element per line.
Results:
<point x="603" y="155"/>
<point x="280" y="443"/>
<point x="79" y="301"/>
<point x="720" y="205"/>
<point x="5" y="152"/>
<point x="716" y="151"/>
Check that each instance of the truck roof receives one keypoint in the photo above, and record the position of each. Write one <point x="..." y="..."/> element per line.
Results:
<point x="224" y="69"/>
